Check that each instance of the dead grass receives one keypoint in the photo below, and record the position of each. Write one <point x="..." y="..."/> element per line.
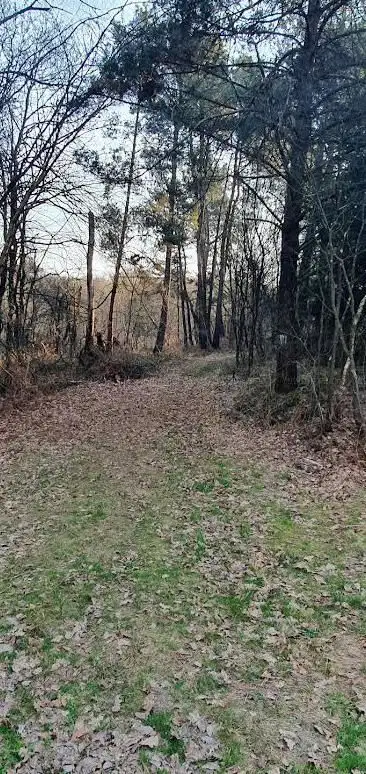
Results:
<point x="172" y="564"/>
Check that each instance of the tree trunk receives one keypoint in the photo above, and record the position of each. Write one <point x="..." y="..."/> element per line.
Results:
<point x="19" y="289"/>
<point x="160" y="338"/>
<point x="181" y="296"/>
<point x="89" y="336"/>
<point x="202" y="245"/>
<point x="122" y="240"/>
<point x="163" y="322"/>
<point x="287" y="332"/>
<point x="12" y="265"/>
<point x="216" y="246"/>
<point x="225" y="246"/>
<point x="187" y="299"/>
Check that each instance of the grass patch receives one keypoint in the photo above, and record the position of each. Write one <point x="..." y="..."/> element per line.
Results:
<point x="78" y="696"/>
<point x="98" y="513"/>
<point x="245" y="530"/>
<point x="157" y="579"/>
<point x="161" y="722"/>
<point x="224" y="477"/>
<point x="232" y="755"/>
<point x="200" y="545"/>
<point x="131" y="692"/>
<point x="237" y="605"/>
<point x="308" y="768"/>
<point x="218" y="366"/>
<point x="10" y="746"/>
<point x="338" y="704"/>
<point x="228" y="735"/>
<point x="24" y="705"/>
<point x="57" y="596"/>
<point x="206" y="487"/>
<point x="352" y="739"/>
<point x="207" y="683"/>
<point x="196" y="516"/>
<point x="341" y="594"/>
<point x="279" y="602"/>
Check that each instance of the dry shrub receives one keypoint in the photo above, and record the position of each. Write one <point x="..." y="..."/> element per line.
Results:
<point x="118" y="365"/>
<point x="257" y="400"/>
<point x="16" y="378"/>
<point x="23" y="377"/>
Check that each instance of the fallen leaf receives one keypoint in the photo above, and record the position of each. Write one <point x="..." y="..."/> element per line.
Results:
<point x="150" y="741"/>
<point x="81" y="729"/>
<point x="289" y="741"/>
<point x="5" y="648"/>
<point x="116" y="705"/>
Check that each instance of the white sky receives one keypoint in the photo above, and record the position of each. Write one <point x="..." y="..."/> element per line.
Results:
<point x="68" y="253"/>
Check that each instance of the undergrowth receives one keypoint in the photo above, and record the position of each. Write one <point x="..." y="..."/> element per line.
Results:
<point x="23" y="377"/>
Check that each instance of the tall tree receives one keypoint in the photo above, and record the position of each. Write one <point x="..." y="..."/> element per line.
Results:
<point x="300" y="143"/>
<point x="124" y="228"/>
<point x="172" y="195"/>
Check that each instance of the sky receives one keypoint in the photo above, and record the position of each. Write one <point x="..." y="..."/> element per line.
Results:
<point x="62" y="236"/>
<point x="68" y="253"/>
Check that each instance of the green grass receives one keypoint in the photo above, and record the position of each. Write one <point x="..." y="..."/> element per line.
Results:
<point x="218" y="366"/>
<point x="245" y="530"/>
<point x="99" y="513"/>
<point x="352" y="739"/>
<point x="24" y="704"/>
<point x="221" y="477"/>
<point x="196" y="515"/>
<point x="200" y="545"/>
<point x="200" y="571"/>
<point x="228" y="735"/>
<point x="10" y="746"/>
<point x="206" y="487"/>
<point x="237" y="605"/>
<point x="78" y="695"/>
<point x="207" y="683"/>
<point x="338" y="705"/>
<point x="279" y="602"/>
<point x="162" y="723"/>
<point x="341" y="594"/>
<point x="224" y="477"/>
<point x="232" y="755"/>
<point x="132" y="691"/>
<point x="144" y="760"/>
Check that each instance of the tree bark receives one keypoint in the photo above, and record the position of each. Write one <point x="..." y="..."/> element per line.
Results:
<point x="202" y="244"/>
<point x="216" y="246"/>
<point x="182" y="298"/>
<point x="122" y="240"/>
<point x="225" y="246"/>
<point x="89" y="336"/>
<point x="160" y="337"/>
<point x="11" y="274"/>
<point x="287" y="329"/>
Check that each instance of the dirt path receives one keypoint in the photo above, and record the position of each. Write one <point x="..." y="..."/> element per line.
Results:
<point x="179" y="592"/>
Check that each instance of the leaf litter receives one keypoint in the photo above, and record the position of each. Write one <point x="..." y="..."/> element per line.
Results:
<point x="160" y="558"/>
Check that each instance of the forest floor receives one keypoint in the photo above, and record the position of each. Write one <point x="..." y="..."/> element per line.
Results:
<point x="179" y="591"/>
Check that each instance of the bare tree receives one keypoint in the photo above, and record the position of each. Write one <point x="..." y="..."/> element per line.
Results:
<point x="8" y="15"/>
<point x="45" y="107"/>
